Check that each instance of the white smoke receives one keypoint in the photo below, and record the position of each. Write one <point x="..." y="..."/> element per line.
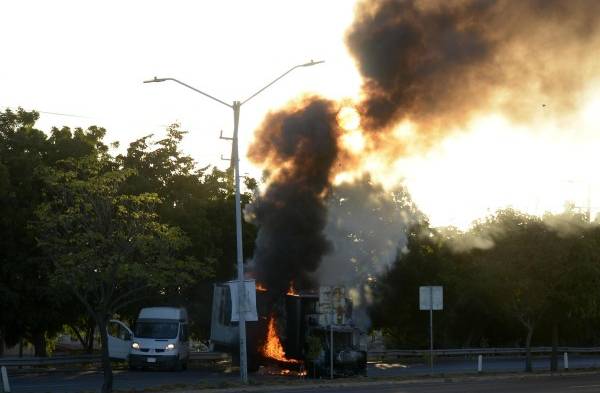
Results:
<point x="367" y="227"/>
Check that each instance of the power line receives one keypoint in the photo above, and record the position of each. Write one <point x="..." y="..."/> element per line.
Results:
<point x="64" y="114"/>
<point x="53" y="113"/>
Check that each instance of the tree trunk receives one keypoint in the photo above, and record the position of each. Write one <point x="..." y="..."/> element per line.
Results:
<point x="107" y="385"/>
<point x="90" y="338"/>
<point x="39" y="344"/>
<point x="81" y="338"/>
<point x="467" y="342"/>
<point x="554" y="355"/>
<point x="528" y="362"/>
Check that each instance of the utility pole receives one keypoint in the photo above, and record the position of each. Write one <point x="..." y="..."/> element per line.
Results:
<point x="589" y="202"/>
<point x="584" y="208"/>
<point x="240" y="252"/>
<point x="431" y="329"/>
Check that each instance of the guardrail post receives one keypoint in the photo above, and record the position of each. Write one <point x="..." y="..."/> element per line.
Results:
<point x="4" y="377"/>
<point x="479" y="363"/>
<point x="566" y="361"/>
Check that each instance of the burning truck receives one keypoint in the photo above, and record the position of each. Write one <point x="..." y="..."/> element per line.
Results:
<point x="294" y="332"/>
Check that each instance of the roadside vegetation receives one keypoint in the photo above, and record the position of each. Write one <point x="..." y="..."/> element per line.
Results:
<point x="512" y="280"/>
<point x="85" y="234"/>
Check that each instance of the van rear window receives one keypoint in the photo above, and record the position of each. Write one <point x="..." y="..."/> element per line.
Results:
<point x="156" y="329"/>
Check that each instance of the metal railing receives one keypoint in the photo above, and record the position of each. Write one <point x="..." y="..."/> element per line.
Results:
<point x="48" y="361"/>
<point x="209" y="356"/>
<point x="388" y="354"/>
<point x="86" y="359"/>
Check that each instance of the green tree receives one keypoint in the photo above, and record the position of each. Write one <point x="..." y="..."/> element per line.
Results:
<point x="575" y="292"/>
<point x="506" y="279"/>
<point x="109" y="248"/>
<point x="396" y="294"/>
<point x="30" y="307"/>
<point x="199" y="201"/>
<point x="524" y="267"/>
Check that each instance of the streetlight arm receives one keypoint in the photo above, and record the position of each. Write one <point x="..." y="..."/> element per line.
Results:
<point x="189" y="87"/>
<point x="311" y="63"/>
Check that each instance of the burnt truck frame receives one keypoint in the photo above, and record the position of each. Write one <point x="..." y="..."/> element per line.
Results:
<point x="304" y="331"/>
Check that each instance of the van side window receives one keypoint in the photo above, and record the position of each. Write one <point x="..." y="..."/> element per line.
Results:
<point x="118" y="331"/>
<point x="113" y="329"/>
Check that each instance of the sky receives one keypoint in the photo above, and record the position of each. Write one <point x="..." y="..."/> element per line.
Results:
<point x="87" y="59"/>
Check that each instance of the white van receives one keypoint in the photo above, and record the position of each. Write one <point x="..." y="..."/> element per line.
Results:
<point x="160" y="338"/>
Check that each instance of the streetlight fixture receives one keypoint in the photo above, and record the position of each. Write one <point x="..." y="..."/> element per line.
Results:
<point x="238" y="210"/>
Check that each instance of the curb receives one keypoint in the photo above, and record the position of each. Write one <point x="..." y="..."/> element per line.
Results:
<point x="380" y="382"/>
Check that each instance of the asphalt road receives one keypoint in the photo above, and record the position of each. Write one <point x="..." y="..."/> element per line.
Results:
<point x="91" y="381"/>
<point x="466" y="365"/>
<point x="532" y="384"/>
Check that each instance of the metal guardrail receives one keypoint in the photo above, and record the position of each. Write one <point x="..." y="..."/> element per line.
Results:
<point x="85" y="359"/>
<point x="402" y="353"/>
<point x="48" y="361"/>
<point x="388" y="354"/>
<point x="209" y="356"/>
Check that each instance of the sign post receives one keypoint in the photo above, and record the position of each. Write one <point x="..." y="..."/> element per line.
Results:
<point x="431" y="298"/>
<point x="331" y="346"/>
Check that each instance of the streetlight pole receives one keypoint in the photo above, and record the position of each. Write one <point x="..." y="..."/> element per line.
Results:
<point x="235" y="162"/>
<point x="240" y="249"/>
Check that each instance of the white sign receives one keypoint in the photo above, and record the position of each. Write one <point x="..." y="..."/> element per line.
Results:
<point x="332" y="306"/>
<point x="431" y="298"/>
<point x="250" y="305"/>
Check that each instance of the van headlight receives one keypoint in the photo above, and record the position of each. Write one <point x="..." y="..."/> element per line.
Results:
<point x="170" y="347"/>
<point x="135" y="345"/>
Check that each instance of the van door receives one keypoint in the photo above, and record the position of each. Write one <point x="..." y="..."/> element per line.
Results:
<point x="120" y="338"/>
<point x="184" y="341"/>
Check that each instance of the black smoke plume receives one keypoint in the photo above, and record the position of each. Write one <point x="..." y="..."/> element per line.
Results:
<point x="438" y="63"/>
<point x="299" y="145"/>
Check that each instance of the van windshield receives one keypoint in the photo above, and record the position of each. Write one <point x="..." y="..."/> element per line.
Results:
<point x="156" y="329"/>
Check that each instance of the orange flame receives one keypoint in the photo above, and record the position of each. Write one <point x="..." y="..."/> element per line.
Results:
<point x="260" y="287"/>
<point x="273" y="348"/>
<point x="292" y="291"/>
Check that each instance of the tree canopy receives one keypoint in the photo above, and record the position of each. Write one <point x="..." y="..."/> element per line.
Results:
<point x="86" y="232"/>
<point x="510" y="276"/>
